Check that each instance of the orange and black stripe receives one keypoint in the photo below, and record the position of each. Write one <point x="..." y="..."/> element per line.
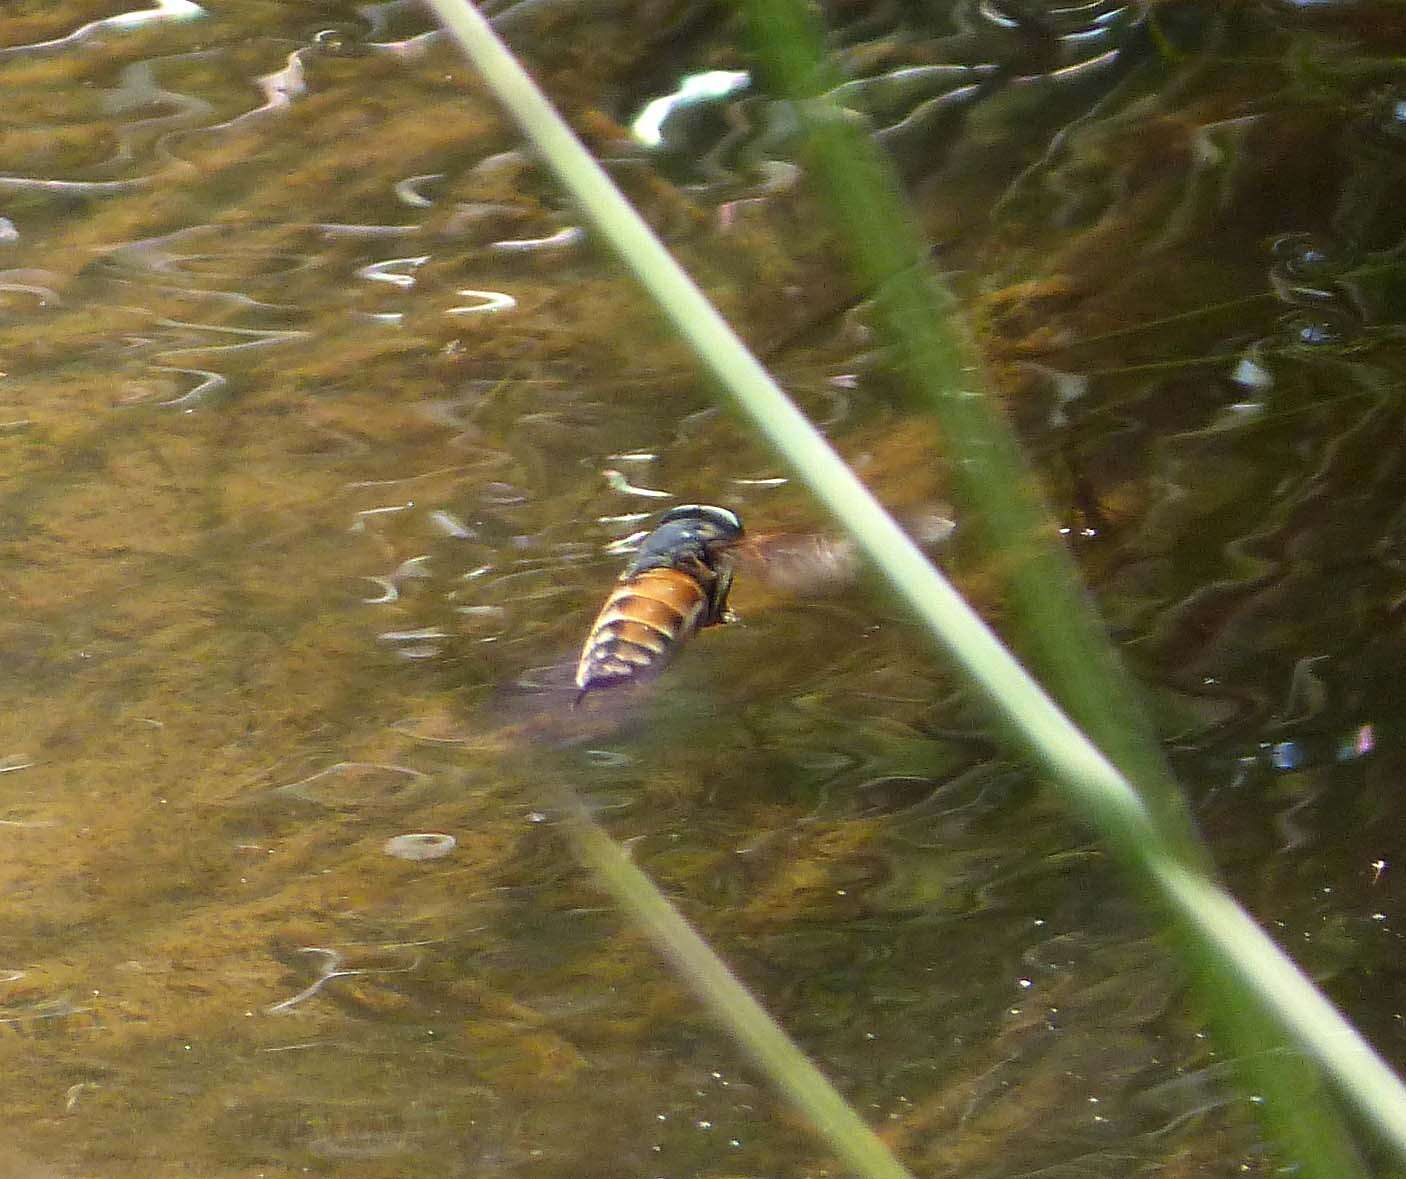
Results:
<point x="638" y="629"/>
<point x="677" y="583"/>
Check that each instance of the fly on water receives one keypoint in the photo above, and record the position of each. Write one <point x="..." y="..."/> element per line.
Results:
<point x="676" y="584"/>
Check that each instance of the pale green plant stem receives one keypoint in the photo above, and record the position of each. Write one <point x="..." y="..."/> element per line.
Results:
<point x="1096" y="787"/>
<point x="731" y="1003"/>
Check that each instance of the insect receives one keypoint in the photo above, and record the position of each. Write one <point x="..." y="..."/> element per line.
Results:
<point x="676" y="584"/>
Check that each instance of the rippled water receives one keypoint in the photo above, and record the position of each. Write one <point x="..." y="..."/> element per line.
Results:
<point x="324" y="424"/>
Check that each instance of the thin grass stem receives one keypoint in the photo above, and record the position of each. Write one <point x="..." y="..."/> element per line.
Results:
<point x="729" y="1000"/>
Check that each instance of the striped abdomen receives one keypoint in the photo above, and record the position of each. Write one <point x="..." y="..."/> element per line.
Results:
<point x="647" y="616"/>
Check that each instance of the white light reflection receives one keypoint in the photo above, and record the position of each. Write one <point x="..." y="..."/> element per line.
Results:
<point x="493" y="301"/>
<point x="617" y="482"/>
<point x="391" y="270"/>
<point x="649" y="123"/>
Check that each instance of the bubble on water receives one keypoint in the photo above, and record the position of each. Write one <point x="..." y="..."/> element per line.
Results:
<point x="420" y="845"/>
<point x="1305" y="255"/>
<point x="1387" y="116"/>
<point x="1322" y="328"/>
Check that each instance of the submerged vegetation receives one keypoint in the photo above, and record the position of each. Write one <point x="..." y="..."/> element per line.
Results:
<point x="312" y="378"/>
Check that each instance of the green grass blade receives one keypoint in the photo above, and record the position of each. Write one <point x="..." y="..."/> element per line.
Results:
<point x="1054" y="628"/>
<point x="731" y="1003"/>
<point x="1050" y="618"/>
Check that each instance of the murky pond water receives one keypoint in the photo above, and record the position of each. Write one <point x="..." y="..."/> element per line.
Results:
<point x="322" y="424"/>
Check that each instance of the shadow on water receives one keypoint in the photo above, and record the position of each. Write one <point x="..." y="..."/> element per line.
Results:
<point x="325" y="430"/>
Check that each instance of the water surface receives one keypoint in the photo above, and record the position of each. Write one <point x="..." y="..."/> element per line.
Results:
<point x="312" y="387"/>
